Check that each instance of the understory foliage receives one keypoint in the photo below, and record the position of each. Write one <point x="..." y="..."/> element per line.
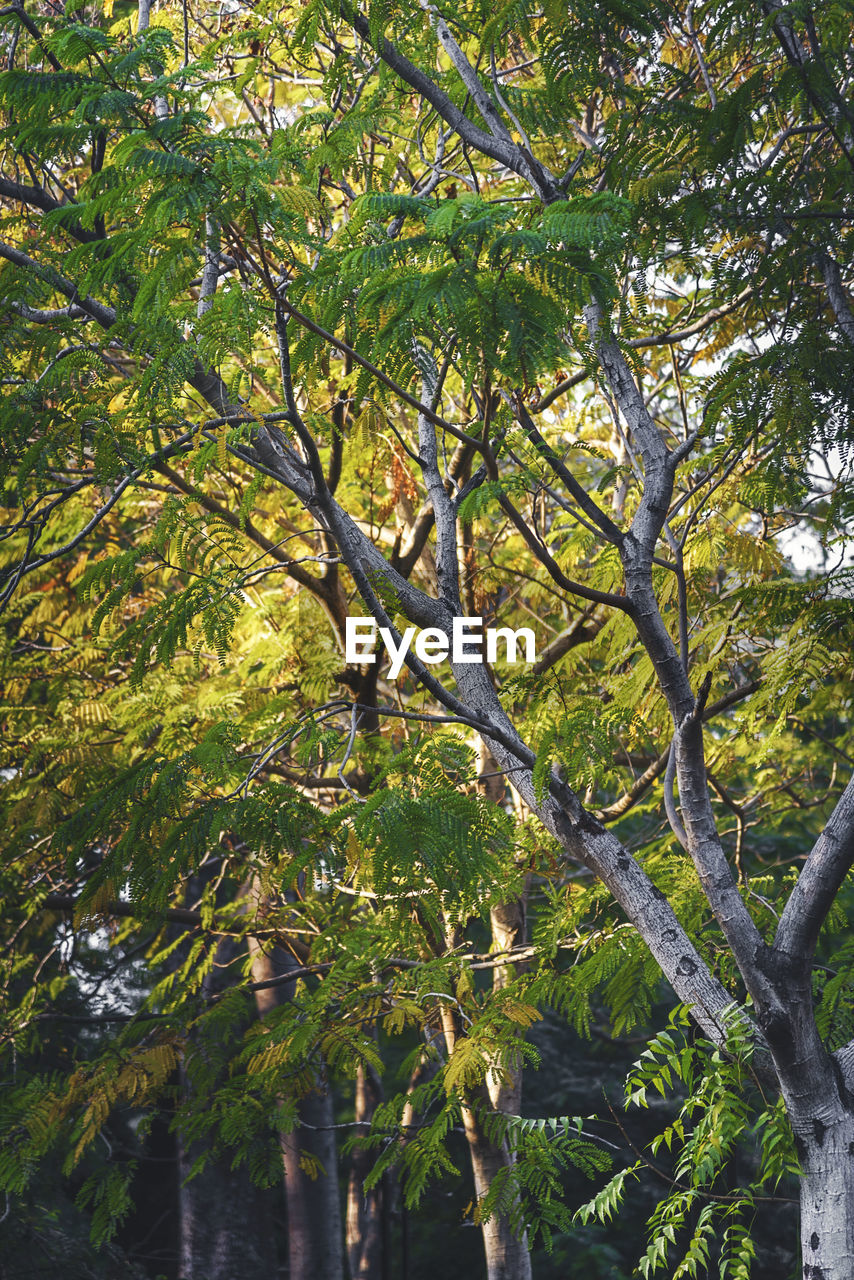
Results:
<point x="248" y="249"/>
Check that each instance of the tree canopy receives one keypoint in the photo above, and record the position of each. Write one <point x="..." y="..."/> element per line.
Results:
<point x="487" y="317"/>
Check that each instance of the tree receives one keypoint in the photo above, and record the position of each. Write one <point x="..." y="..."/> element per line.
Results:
<point x="563" y="293"/>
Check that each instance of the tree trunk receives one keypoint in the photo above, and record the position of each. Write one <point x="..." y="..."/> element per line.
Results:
<point x="225" y="1221"/>
<point x="827" y="1197"/>
<point x="314" y="1213"/>
<point x="365" y="1208"/>
<point x="507" y="1256"/>
<point x="820" y="1106"/>
<point x="508" y="923"/>
<point x="818" y="1090"/>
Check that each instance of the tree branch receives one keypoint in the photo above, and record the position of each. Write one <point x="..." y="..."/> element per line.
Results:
<point x="658" y="766"/>
<point x="837" y="297"/>
<point x="548" y="562"/>
<point x="637" y="550"/>
<point x="497" y="148"/>
<point x="821" y="877"/>
<point x="444" y="514"/>
<point x="38" y="198"/>
<point x="602" y="521"/>
<point x="364" y="363"/>
<point x="468" y="75"/>
<point x="67" y="902"/>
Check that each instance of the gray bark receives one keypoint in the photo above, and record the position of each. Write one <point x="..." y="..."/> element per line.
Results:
<point x="816" y="1089"/>
<point x="837" y="296"/>
<point x="210" y="270"/>
<point x="161" y="108"/>
<point x="502" y="149"/>
<point x="315" y="1246"/>
<point x="827" y="1196"/>
<point x="508" y="930"/>
<point x="508" y="922"/>
<point x="507" y="1255"/>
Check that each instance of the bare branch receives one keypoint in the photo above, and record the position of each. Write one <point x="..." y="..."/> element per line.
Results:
<point x="445" y="516"/>
<point x="210" y="271"/>
<point x="549" y="563"/>
<point x="658" y="766"/>
<point x="17" y="11"/>
<point x="130" y="910"/>
<point x="581" y="629"/>
<point x="404" y="395"/>
<point x="37" y="315"/>
<point x="467" y="74"/>
<point x="105" y="316"/>
<point x="827" y="865"/>
<point x="604" y="523"/>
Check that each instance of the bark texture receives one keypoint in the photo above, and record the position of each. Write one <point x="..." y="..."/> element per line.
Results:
<point x="507" y="1255"/>
<point x="315" y="1249"/>
<point x="827" y="1195"/>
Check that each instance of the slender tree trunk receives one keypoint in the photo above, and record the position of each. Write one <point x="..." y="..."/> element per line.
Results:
<point x="507" y="1256"/>
<point x="509" y="926"/>
<point x="508" y="930"/>
<point x="422" y="1073"/>
<point x="314" y="1214"/>
<point x="365" y="1208"/>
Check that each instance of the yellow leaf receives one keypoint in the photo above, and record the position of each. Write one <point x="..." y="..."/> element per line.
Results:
<point x="523" y="1014"/>
<point x="90" y="713"/>
<point x="92" y="906"/>
<point x="76" y="570"/>
<point x="403" y="1011"/>
<point x="310" y="1164"/>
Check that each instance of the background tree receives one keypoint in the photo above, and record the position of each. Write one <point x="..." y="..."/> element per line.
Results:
<point x="504" y="315"/>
